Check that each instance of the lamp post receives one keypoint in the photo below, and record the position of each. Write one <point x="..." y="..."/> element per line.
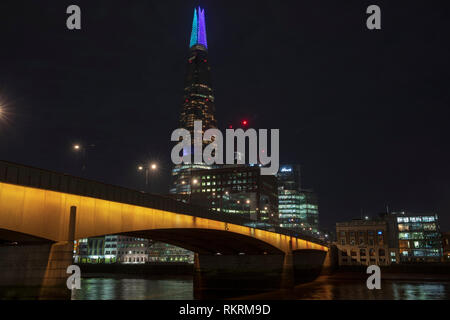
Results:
<point x="193" y="183"/>
<point x="80" y="148"/>
<point x="146" y="170"/>
<point x="224" y="192"/>
<point x="249" y="211"/>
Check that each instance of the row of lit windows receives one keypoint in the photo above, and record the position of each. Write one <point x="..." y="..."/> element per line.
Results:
<point x="419" y="244"/>
<point x="213" y="183"/>
<point x="249" y="188"/>
<point x="229" y="175"/>
<point x="416" y="219"/>
<point x="421" y="253"/>
<point x="418" y="235"/>
<point x="361" y="233"/>
<point x="362" y="252"/>
<point x="361" y="242"/>
<point x="417" y="226"/>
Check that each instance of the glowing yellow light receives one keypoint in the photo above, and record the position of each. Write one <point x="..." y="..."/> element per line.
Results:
<point x="34" y="211"/>
<point x="77" y="147"/>
<point x="153" y="166"/>
<point x="140" y="168"/>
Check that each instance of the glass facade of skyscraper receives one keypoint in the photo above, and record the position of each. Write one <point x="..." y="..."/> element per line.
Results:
<point x="298" y="208"/>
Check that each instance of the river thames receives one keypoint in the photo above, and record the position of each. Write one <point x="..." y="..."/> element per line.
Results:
<point x="323" y="288"/>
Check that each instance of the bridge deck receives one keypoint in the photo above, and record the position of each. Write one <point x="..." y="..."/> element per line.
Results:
<point x="18" y="174"/>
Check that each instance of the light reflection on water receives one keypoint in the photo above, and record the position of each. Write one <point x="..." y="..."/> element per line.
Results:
<point x="134" y="289"/>
<point x="322" y="289"/>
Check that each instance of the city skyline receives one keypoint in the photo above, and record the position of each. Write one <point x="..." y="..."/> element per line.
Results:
<point x="381" y="140"/>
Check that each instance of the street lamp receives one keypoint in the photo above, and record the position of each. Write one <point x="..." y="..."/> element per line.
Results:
<point x="78" y="147"/>
<point x="193" y="183"/>
<point x="146" y="169"/>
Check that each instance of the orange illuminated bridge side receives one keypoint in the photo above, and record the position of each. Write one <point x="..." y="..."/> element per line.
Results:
<point x="43" y="212"/>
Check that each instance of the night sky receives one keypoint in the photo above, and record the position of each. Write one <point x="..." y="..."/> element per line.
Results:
<point x="364" y="112"/>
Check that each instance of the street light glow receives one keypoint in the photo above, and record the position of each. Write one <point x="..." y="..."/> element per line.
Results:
<point x="76" y="147"/>
<point x="153" y="166"/>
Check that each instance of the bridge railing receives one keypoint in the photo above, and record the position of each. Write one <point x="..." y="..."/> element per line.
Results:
<point x="18" y="174"/>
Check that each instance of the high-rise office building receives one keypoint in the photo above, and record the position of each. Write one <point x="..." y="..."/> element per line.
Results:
<point x="298" y="208"/>
<point x="198" y="101"/>
<point x="240" y="190"/>
<point x="289" y="177"/>
<point x="198" y="105"/>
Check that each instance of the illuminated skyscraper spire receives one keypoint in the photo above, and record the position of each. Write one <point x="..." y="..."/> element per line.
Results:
<point x="198" y="34"/>
<point x="198" y="99"/>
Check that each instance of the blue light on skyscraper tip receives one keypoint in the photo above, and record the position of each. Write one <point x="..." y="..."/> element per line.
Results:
<point x="198" y="34"/>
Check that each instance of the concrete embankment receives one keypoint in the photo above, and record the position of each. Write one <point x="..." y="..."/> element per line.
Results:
<point x="139" y="270"/>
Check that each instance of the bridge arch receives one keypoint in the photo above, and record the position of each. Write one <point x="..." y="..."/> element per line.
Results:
<point x="45" y="214"/>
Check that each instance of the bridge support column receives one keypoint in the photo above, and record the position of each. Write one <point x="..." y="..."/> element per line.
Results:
<point x="61" y="256"/>
<point x="308" y="264"/>
<point x="330" y="263"/>
<point x="222" y="276"/>
<point x="287" y="276"/>
<point x="37" y="270"/>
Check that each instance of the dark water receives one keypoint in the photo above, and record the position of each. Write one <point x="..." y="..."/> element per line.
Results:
<point x="324" y="288"/>
<point x="134" y="289"/>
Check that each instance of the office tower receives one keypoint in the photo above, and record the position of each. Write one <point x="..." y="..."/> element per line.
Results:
<point x="239" y="190"/>
<point x="198" y="101"/>
<point x="298" y="208"/>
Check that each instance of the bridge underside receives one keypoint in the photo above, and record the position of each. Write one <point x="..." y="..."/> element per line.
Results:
<point x="205" y="241"/>
<point x="8" y="237"/>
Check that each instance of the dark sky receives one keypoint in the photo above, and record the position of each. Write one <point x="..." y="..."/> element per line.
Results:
<point x="366" y="113"/>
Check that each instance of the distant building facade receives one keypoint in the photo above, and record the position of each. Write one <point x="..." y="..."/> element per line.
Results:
<point x="298" y="208"/>
<point x="112" y="249"/>
<point x="446" y="246"/>
<point x="163" y="252"/>
<point x="418" y="236"/>
<point x="289" y="177"/>
<point x="397" y="237"/>
<point x="365" y="242"/>
<point x="240" y="190"/>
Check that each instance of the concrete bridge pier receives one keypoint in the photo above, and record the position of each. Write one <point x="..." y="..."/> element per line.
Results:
<point x="222" y="276"/>
<point x="36" y="269"/>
